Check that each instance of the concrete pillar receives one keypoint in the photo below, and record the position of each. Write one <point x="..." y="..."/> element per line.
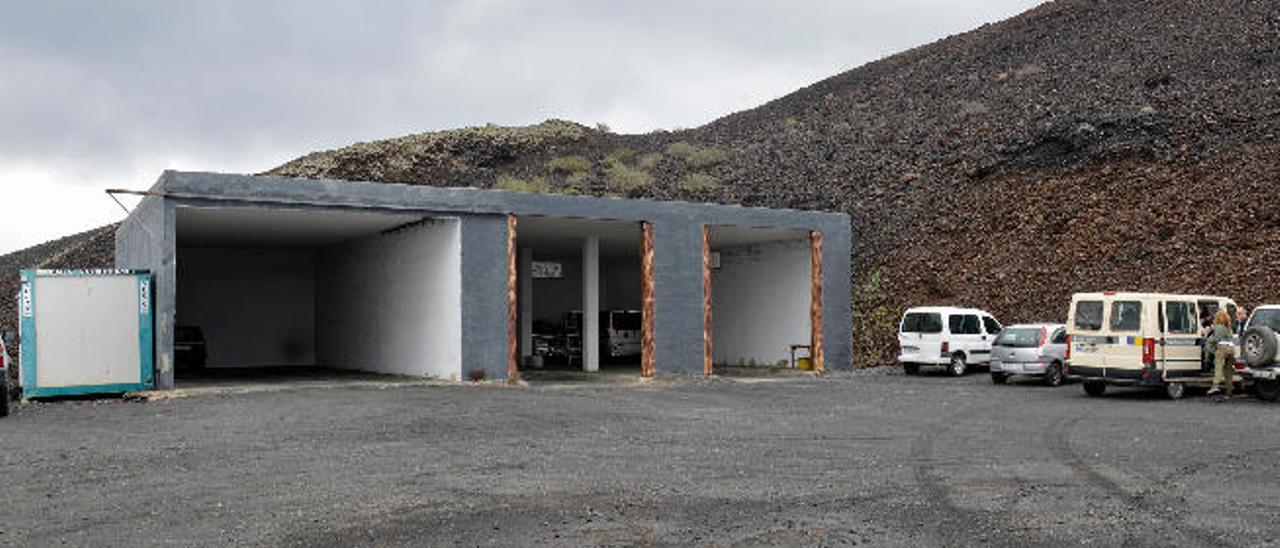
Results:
<point x="526" y="302"/>
<point x="591" y="304"/>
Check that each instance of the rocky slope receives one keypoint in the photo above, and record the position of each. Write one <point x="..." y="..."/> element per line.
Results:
<point x="1083" y="145"/>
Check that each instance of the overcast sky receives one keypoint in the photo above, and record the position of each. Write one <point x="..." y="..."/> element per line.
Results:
<point x="98" y="94"/>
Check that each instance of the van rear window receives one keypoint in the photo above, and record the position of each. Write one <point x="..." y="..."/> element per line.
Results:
<point x="922" y="322"/>
<point x="627" y="321"/>
<point x="1089" y="315"/>
<point x="1126" y="315"/>
<point x="1020" y="337"/>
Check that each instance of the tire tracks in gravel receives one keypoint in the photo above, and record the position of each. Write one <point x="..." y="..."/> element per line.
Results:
<point x="971" y="527"/>
<point x="1152" y="503"/>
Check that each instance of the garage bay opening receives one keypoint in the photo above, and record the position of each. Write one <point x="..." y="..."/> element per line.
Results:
<point x="579" y="296"/>
<point x="301" y="293"/>
<point x="761" y="315"/>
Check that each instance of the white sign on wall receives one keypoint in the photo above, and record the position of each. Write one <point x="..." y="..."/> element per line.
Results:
<point x="547" y="270"/>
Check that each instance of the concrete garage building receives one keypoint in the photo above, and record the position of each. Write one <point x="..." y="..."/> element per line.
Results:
<point x="442" y="282"/>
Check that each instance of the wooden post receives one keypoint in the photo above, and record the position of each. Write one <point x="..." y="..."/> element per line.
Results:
<point x="646" y="299"/>
<point x="706" y="301"/>
<point x="815" y="302"/>
<point x="513" y="329"/>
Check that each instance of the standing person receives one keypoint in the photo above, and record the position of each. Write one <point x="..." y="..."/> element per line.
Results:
<point x="1224" y="356"/>
<point x="1242" y="317"/>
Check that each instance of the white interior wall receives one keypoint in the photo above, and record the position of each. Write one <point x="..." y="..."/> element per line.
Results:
<point x="391" y="303"/>
<point x="760" y="302"/>
<point x="255" y="306"/>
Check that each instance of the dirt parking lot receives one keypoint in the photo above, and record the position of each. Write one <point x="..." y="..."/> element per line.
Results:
<point x="876" y="459"/>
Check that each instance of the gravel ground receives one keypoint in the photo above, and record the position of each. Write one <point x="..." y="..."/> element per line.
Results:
<point x="874" y="458"/>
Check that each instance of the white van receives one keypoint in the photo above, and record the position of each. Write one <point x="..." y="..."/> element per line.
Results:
<point x="946" y="336"/>
<point x="1140" y="339"/>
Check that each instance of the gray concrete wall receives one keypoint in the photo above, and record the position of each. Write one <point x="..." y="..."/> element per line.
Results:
<point x="678" y="282"/>
<point x="484" y="294"/>
<point x="391" y="303"/>
<point x="257" y="307"/>
<point x="677" y="296"/>
<point x="145" y="240"/>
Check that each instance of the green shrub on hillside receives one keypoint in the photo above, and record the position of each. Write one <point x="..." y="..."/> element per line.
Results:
<point x="621" y="155"/>
<point x="699" y="182"/>
<point x="625" y="178"/>
<point x="649" y="161"/>
<point x="873" y="319"/>
<point x="510" y="182"/>
<point x="569" y="165"/>
<point x="695" y="156"/>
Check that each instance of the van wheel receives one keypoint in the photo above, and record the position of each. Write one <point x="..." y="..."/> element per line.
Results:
<point x="999" y="378"/>
<point x="1175" y="390"/>
<point x="1053" y="377"/>
<point x="4" y="394"/>
<point x="911" y="368"/>
<point x="957" y="368"/>
<point x="1095" y="388"/>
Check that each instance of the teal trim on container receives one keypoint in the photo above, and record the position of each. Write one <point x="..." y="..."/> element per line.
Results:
<point x="104" y="389"/>
<point x="146" y="328"/>
<point x="145" y="303"/>
<point x="27" y="330"/>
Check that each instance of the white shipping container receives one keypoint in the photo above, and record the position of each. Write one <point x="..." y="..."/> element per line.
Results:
<point x="85" y="332"/>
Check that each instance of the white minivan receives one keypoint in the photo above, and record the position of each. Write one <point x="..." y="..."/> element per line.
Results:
<point x="947" y="336"/>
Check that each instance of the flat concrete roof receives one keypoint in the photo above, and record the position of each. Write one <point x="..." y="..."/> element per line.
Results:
<point x="196" y="187"/>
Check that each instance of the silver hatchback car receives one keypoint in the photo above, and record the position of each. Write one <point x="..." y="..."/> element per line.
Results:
<point x="1038" y="349"/>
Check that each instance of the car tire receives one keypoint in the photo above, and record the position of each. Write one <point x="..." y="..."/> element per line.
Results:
<point x="911" y="368"/>
<point x="1268" y="390"/>
<point x="957" y="367"/>
<point x="1095" y="389"/>
<point x="1053" y="377"/>
<point x="1175" y="390"/>
<point x="4" y="393"/>
<point x="1258" y="346"/>
<point x="999" y="378"/>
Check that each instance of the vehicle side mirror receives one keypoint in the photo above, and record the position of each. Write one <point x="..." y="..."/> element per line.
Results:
<point x="7" y="337"/>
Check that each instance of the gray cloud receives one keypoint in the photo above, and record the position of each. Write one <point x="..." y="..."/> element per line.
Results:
<point x="98" y="92"/>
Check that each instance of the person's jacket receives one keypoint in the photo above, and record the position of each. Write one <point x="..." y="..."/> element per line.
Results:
<point x="1220" y="333"/>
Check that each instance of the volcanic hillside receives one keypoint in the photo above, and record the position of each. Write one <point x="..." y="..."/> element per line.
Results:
<point x="1083" y="145"/>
